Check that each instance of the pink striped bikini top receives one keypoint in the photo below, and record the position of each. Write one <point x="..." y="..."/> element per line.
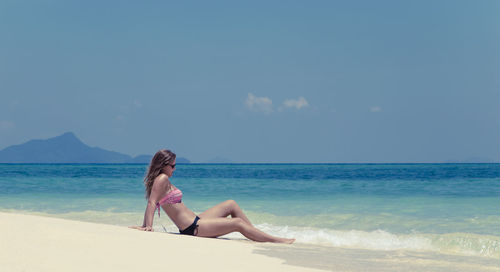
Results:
<point x="173" y="197"/>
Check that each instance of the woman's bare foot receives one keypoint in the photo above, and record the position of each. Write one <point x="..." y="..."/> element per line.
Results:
<point x="287" y="241"/>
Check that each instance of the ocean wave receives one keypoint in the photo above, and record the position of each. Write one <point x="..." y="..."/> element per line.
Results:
<point x="468" y="244"/>
<point x="450" y="243"/>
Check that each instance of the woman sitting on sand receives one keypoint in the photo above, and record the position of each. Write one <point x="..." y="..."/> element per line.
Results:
<point x="211" y="223"/>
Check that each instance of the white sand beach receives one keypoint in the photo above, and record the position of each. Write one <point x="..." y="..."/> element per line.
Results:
<point x="35" y="243"/>
<point x="40" y="243"/>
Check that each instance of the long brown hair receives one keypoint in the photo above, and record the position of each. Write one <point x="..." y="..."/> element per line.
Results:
<point x="159" y="160"/>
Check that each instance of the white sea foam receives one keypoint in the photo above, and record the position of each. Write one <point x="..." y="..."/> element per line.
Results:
<point x="378" y="240"/>
<point x="450" y="243"/>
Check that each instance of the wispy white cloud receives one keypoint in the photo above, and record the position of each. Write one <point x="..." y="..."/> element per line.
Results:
<point x="299" y="103"/>
<point x="375" y="109"/>
<point x="137" y="104"/>
<point x="259" y="104"/>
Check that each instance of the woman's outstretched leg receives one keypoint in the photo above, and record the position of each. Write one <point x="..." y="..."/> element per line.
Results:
<point x="225" y="209"/>
<point x="215" y="227"/>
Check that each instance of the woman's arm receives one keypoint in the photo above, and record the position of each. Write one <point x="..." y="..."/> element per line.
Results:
<point x="149" y="215"/>
<point x="156" y="192"/>
<point x="147" y="223"/>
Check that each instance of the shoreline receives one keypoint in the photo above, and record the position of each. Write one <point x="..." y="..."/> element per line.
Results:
<point x="39" y="243"/>
<point x="36" y="243"/>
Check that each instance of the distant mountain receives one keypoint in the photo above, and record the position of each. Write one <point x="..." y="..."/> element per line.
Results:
<point x="181" y="160"/>
<point x="67" y="148"/>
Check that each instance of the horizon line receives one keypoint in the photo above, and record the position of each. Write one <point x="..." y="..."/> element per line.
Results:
<point x="244" y="163"/>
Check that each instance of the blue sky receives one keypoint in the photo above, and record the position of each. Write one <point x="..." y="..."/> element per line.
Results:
<point x="256" y="81"/>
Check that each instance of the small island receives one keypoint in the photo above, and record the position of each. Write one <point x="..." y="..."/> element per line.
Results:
<point x="67" y="148"/>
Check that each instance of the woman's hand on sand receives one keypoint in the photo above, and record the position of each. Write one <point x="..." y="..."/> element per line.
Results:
<point x="142" y="228"/>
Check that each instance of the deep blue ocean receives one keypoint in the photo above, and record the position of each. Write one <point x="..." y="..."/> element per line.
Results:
<point x="447" y="208"/>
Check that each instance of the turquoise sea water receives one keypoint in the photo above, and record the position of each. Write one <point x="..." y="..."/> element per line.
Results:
<point x="446" y="208"/>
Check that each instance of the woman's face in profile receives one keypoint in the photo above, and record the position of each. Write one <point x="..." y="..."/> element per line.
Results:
<point x="169" y="169"/>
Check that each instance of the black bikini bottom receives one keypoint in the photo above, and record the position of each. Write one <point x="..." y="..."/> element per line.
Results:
<point x="190" y="230"/>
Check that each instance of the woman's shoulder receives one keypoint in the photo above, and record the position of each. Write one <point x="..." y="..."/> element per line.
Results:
<point x="162" y="178"/>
